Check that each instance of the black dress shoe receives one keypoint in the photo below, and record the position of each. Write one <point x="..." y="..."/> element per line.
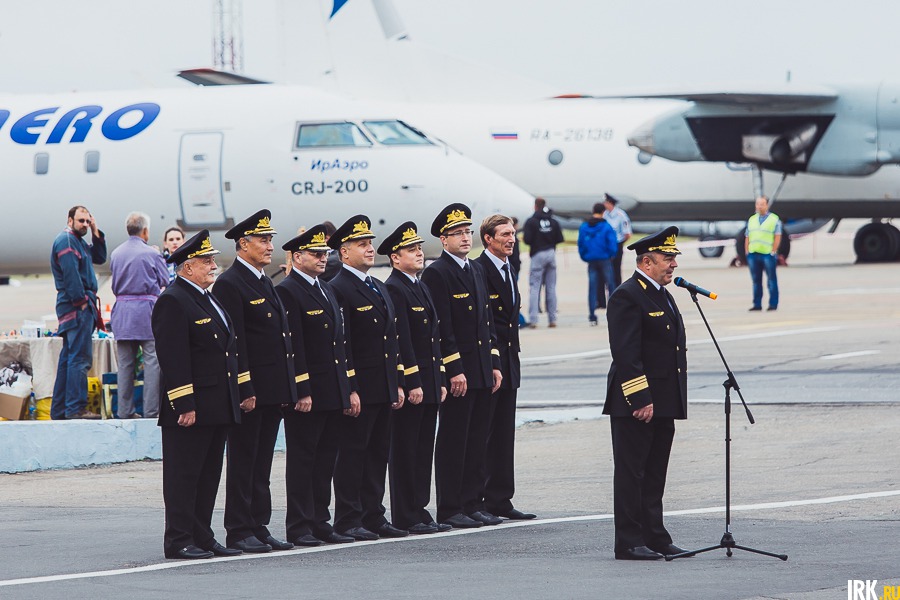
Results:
<point x="441" y="527"/>
<point x="485" y="517"/>
<point x="220" y="550"/>
<point x="277" y="544"/>
<point x="334" y="537"/>
<point x="360" y="534"/>
<point x="308" y="540"/>
<point x="669" y="549"/>
<point x="422" y="529"/>
<point x="389" y="531"/>
<point x="189" y="553"/>
<point x="251" y="545"/>
<point x="516" y="515"/>
<point x="461" y="521"/>
<point x="638" y="553"/>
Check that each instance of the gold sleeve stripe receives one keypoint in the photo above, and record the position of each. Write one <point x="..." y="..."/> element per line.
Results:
<point x="411" y="370"/>
<point x="185" y="390"/>
<point x="351" y="373"/>
<point x="244" y="377"/>
<point x="495" y="352"/>
<point x="299" y="378"/>
<point x="635" y="385"/>
<point x="451" y="358"/>
<point x="400" y="367"/>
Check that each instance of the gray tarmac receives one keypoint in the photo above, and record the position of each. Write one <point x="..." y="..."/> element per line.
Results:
<point x="815" y="478"/>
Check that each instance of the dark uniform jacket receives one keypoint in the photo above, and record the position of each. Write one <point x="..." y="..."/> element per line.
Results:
<point x="506" y="320"/>
<point x="263" y="337"/>
<point x="317" y="338"/>
<point x="197" y="356"/>
<point x="371" y="333"/>
<point x="646" y="337"/>
<point x="420" y="336"/>
<point x="467" y="334"/>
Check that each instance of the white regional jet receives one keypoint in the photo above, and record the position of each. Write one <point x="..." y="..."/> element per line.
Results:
<point x="204" y="157"/>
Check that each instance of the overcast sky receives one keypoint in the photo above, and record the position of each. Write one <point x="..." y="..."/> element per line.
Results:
<point x="576" y="45"/>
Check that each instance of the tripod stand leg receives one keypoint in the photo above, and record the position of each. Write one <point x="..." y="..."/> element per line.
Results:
<point x="772" y="554"/>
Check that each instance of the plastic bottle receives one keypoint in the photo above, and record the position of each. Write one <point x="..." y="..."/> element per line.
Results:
<point x="32" y="408"/>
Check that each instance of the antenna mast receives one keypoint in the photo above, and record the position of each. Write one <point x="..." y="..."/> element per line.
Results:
<point x="228" y="35"/>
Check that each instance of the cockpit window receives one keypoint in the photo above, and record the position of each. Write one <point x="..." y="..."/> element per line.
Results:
<point x="320" y="135"/>
<point x="395" y="133"/>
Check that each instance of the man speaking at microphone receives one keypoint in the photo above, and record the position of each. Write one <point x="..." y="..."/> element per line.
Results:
<point x="646" y="391"/>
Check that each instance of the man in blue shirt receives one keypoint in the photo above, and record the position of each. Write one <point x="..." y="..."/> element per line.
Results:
<point x="76" y="308"/>
<point x="597" y="247"/>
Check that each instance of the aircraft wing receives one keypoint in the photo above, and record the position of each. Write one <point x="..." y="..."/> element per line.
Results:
<point x="217" y="77"/>
<point x="761" y="96"/>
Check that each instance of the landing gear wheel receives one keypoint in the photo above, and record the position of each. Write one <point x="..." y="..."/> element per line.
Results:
<point x="876" y="242"/>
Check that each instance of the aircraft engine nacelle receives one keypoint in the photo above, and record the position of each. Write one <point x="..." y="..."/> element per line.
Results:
<point x="848" y="131"/>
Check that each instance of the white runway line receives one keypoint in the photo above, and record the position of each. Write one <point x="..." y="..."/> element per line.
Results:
<point x="849" y="354"/>
<point x="541" y="360"/>
<point x="434" y="537"/>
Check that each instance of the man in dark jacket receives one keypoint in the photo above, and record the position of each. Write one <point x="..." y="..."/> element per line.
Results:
<point x="266" y="381"/>
<point x="413" y="425"/>
<point x="498" y="237"/>
<point x="597" y="247"/>
<point x="324" y="388"/>
<point x="542" y="233"/>
<point x="371" y="332"/>
<point x="646" y="392"/>
<point x="198" y="361"/>
<point x="472" y="361"/>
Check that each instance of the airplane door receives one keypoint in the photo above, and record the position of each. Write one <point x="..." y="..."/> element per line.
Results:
<point x="200" y="181"/>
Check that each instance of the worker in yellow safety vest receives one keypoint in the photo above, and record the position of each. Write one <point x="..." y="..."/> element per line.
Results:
<point x="763" y="238"/>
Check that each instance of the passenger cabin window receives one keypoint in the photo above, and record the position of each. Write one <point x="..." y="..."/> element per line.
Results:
<point x="91" y="161"/>
<point x="321" y="135"/>
<point x="41" y="163"/>
<point x="395" y="133"/>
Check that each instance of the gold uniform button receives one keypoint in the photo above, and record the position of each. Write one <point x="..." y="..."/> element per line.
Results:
<point x="385" y="355"/>
<point x="335" y="361"/>
<point x="668" y="327"/>
<point x="229" y="373"/>
<point x="679" y="369"/>
<point x="385" y="337"/>
<point x="677" y="348"/>
<point x="470" y="308"/>
<point x="479" y="342"/>
<point x="425" y="321"/>
<point x="226" y="354"/>
<point x="326" y="325"/>
<point x="216" y="336"/>
<point x="269" y="315"/>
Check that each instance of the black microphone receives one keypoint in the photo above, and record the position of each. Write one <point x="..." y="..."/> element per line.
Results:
<point x="681" y="282"/>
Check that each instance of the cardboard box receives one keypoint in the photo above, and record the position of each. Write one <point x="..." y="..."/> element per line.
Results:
<point x="13" y="407"/>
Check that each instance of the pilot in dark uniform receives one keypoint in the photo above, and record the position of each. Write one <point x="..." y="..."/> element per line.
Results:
<point x="413" y="425"/>
<point x="198" y="359"/>
<point x="266" y="381"/>
<point x="371" y="334"/>
<point x="325" y="390"/>
<point x="472" y="367"/>
<point x="646" y="392"/>
<point x="498" y="235"/>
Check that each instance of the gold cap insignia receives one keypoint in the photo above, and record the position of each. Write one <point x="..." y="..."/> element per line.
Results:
<point x="205" y="248"/>
<point x="319" y="238"/>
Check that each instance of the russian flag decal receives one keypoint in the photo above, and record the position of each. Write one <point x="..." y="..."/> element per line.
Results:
<point x="505" y="135"/>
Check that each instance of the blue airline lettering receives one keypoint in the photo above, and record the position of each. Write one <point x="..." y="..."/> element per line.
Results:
<point x="20" y="130"/>
<point x="111" y="129"/>
<point x="81" y="125"/>
<point x="27" y="129"/>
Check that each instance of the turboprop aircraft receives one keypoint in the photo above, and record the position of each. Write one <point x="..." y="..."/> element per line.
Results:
<point x="206" y="157"/>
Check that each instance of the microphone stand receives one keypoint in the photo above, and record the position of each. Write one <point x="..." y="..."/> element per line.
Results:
<point x="727" y="542"/>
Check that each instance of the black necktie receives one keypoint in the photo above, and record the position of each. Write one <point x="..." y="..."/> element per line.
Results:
<point x="507" y="275"/>
<point x="319" y="287"/>
<point x="374" y="288"/>
<point x="215" y="311"/>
